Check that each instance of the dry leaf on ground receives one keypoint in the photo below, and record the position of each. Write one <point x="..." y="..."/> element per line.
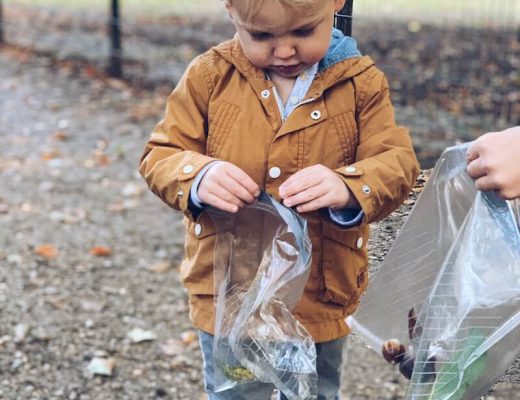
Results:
<point x="101" y="251"/>
<point x="46" y="251"/>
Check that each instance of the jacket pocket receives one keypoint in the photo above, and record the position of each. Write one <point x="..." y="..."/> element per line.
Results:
<point x="220" y="124"/>
<point x="196" y="270"/>
<point x="344" y="264"/>
<point x="346" y="129"/>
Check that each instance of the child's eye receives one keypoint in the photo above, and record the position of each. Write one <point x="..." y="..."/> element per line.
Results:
<point x="304" y="32"/>
<point x="259" y="36"/>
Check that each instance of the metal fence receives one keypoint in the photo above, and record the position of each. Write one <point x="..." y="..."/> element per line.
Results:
<point x="452" y="65"/>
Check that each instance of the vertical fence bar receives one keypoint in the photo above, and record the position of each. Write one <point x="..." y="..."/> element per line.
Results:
<point x="115" y="67"/>
<point x="1" y="23"/>
<point x="343" y="19"/>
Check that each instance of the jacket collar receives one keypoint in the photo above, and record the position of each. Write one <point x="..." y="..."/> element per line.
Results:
<point x="342" y="61"/>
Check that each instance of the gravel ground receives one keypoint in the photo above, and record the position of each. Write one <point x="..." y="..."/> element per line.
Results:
<point x="69" y="151"/>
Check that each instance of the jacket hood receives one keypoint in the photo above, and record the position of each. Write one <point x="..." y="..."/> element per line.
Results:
<point x="343" y="60"/>
<point x="341" y="48"/>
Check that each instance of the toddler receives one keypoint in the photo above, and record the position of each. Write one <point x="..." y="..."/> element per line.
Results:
<point x="289" y="106"/>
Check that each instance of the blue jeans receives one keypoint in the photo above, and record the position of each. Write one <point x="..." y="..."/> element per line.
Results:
<point x="330" y="357"/>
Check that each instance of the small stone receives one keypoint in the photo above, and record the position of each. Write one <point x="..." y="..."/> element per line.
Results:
<point x="101" y="366"/>
<point x="21" y="331"/>
<point x="138" y="335"/>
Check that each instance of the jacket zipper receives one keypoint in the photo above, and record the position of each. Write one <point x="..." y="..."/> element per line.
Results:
<point x="311" y="99"/>
<point x="301" y="103"/>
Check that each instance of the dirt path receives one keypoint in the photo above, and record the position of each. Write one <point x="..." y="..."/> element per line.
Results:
<point x="69" y="151"/>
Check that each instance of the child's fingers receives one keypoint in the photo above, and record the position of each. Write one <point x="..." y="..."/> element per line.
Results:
<point x="313" y="205"/>
<point x="300" y="181"/>
<point x="305" y="196"/>
<point x="221" y="204"/>
<point x="222" y="193"/>
<point x="251" y="188"/>
<point x="236" y="189"/>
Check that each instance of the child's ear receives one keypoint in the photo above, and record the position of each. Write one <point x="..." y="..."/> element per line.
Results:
<point x="228" y="9"/>
<point x="338" y="5"/>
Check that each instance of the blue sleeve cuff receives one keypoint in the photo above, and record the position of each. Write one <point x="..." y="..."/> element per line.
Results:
<point x="347" y="217"/>
<point x="194" y="197"/>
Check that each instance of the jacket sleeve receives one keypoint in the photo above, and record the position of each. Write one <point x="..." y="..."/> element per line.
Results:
<point x="386" y="167"/>
<point x="175" y="151"/>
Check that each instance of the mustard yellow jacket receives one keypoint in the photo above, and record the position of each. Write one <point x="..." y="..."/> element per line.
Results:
<point x="223" y="108"/>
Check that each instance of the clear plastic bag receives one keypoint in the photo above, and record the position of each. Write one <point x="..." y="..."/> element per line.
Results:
<point x="445" y="305"/>
<point x="262" y="263"/>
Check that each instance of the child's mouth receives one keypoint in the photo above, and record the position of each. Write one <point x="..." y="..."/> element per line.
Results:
<point x="286" y="69"/>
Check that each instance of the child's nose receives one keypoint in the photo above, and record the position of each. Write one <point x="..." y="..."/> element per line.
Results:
<point x="284" y="50"/>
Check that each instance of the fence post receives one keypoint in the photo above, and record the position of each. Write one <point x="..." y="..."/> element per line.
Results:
<point x="1" y="23"/>
<point x="343" y="19"/>
<point x="115" y="68"/>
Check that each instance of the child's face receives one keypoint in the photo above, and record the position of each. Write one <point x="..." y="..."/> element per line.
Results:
<point x="283" y="43"/>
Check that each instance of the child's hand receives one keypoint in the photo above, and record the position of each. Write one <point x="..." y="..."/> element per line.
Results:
<point x="494" y="162"/>
<point x="227" y="187"/>
<point x="316" y="187"/>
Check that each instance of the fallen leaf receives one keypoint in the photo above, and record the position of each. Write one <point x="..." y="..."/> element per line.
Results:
<point x="189" y="337"/>
<point x="26" y="207"/>
<point x="90" y="71"/>
<point x="92" y="305"/>
<point x="4" y="208"/>
<point x="173" y="347"/>
<point x="131" y="189"/>
<point x="103" y="160"/>
<point x="101" y="251"/>
<point x="50" y="155"/>
<point x="57" y="302"/>
<point x="60" y="136"/>
<point x="160" y="267"/>
<point x="46" y="250"/>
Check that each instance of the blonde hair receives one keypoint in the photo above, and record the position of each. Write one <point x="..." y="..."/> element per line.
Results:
<point x="249" y="8"/>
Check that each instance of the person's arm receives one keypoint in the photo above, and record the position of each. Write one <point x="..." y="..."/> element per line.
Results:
<point x="175" y="151"/>
<point x="494" y="162"/>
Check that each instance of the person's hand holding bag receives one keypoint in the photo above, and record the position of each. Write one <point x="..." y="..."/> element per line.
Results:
<point x="494" y="162"/>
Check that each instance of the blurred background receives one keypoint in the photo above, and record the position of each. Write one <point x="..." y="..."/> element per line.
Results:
<point x="452" y="66"/>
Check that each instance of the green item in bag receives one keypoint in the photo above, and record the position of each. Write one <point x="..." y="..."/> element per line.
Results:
<point x="452" y="381"/>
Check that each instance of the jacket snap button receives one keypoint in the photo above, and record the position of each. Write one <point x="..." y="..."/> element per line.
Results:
<point x="275" y="172"/>
<point x="350" y="169"/>
<point x="366" y="189"/>
<point x="187" y="169"/>
<point x="180" y="193"/>
<point x="359" y="242"/>
<point x="316" y="114"/>
<point x="265" y="93"/>
<point x="198" y="229"/>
